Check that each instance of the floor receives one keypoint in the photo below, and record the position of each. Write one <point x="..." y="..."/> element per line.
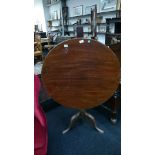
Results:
<point x="83" y="139"/>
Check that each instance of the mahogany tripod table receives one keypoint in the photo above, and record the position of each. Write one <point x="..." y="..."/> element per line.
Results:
<point x="81" y="74"/>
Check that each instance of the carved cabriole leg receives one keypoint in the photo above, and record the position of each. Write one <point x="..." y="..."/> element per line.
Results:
<point x="94" y="122"/>
<point x="74" y="118"/>
<point x="81" y="115"/>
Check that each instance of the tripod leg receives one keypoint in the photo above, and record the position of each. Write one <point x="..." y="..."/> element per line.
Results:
<point x="93" y="121"/>
<point x="72" y="121"/>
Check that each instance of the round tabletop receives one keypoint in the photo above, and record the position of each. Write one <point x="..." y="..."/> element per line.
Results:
<point x="81" y="73"/>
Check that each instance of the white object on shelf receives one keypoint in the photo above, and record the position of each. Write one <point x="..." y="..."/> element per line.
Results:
<point x="38" y="68"/>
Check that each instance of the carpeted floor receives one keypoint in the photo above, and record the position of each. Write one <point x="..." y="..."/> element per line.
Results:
<point x="83" y="139"/>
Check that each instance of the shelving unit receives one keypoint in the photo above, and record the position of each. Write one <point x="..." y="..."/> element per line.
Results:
<point x="100" y="25"/>
<point x="117" y="30"/>
<point x="103" y="24"/>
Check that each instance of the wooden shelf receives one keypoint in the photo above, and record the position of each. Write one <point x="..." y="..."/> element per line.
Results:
<point x="56" y="26"/>
<point x="70" y="31"/>
<point x="113" y="20"/>
<point x="87" y="32"/>
<point x="110" y="34"/>
<point x="87" y="15"/>
<point x="54" y="19"/>
<point x="73" y="32"/>
<point x="80" y="25"/>
<point x="101" y="32"/>
<point x="54" y="30"/>
<point x="114" y="34"/>
<point x="105" y="12"/>
<point x="98" y="24"/>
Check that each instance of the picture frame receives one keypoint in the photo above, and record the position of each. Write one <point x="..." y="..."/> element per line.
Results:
<point x="78" y="10"/>
<point x="88" y="9"/>
<point x="54" y="15"/>
<point x="107" y="5"/>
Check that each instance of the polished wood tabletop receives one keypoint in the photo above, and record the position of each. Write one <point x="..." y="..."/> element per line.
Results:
<point x="81" y="73"/>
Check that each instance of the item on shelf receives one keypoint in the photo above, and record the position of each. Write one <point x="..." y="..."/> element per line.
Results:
<point x="103" y="20"/>
<point x="78" y="11"/>
<point x="101" y="29"/>
<point x="49" y="23"/>
<point x="54" y="15"/>
<point x="118" y="5"/>
<point x="107" y="5"/>
<point x="87" y="21"/>
<point x="114" y="40"/>
<point x="99" y="19"/>
<point x="74" y="23"/>
<point x="36" y="28"/>
<point x="111" y="28"/>
<point x="79" y="21"/>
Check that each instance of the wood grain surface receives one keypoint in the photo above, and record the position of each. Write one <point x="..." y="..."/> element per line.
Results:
<point x="81" y="73"/>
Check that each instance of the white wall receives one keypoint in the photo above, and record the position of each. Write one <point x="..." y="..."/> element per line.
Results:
<point x="39" y="18"/>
